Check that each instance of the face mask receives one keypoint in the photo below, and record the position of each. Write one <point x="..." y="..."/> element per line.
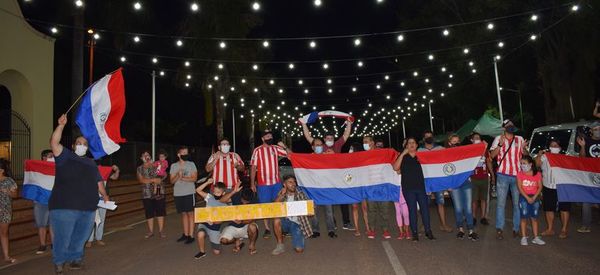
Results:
<point x="184" y="157"/>
<point x="511" y="129"/>
<point x="50" y="159"/>
<point x="366" y="146"/>
<point x="351" y="150"/>
<point x="379" y="146"/>
<point x="453" y="144"/>
<point x="269" y="141"/>
<point x="225" y="148"/>
<point x="80" y="150"/>
<point x="596" y="133"/>
<point x="217" y="197"/>
<point x="476" y="141"/>
<point x="525" y="167"/>
<point x="554" y="150"/>
<point x="318" y="149"/>
<point x="329" y="143"/>
<point x="428" y="140"/>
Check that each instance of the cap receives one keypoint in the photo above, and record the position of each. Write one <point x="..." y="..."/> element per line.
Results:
<point x="266" y="132"/>
<point x="595" y="124"/>
<point x="507" y="122"/>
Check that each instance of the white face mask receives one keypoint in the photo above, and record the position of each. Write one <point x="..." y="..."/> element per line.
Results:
<point x="476" y="141"/>
<point x="225" y="148"/>
<point x="329" y="143"/>
<point x="80" y="150"/>
<point x="351" y="150"/>
<point x="366" y="146"/>
<point x="554" y="150"/>
<point x="50" y="159"/>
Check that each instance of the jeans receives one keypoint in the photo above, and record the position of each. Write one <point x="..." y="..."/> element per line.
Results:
<point x="71" y="229"/>
<point x="412" y="198"/>
<point x="40" y="214"/>
<point x="463" y="209"/>
<point x="586" y="214"/>
<point x="504" y="184"/>
<point x="379" y="213"/>
<point x="98" y="229"/>
<point x="328" y="218"/>
<point x="294" y="229"/>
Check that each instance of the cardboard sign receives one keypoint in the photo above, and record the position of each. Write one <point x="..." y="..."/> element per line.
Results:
<point x="254" y="211"/>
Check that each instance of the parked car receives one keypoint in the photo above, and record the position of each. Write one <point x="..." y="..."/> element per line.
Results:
<point x="565" y="133"/>
<point x="285" y="167"/>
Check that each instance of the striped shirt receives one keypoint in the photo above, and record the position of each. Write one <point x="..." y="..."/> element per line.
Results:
<point x="265" y="158"/>
<point x="224" y="170"/>
<point x="511" y="163"/>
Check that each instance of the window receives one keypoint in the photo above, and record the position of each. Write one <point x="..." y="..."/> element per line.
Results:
<point x="540" y="140"/>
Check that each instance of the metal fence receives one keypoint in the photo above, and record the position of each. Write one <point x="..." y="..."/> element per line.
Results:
<point x="20" y="144"/>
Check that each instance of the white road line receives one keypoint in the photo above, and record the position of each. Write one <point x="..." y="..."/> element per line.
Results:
<point x="389" y="251"/>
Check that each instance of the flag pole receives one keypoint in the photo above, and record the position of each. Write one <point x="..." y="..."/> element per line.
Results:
<point x="153" y="114"/>
<point x="85" y="91"/>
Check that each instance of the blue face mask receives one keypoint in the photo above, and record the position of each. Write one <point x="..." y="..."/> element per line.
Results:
<point x="318" y="149"/>
<point x="511" y="129"/>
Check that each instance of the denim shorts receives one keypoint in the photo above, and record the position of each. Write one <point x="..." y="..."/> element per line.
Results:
<point x="268" y="193"/>
<point x="294" y="229"/>
<point x="529" y="210"/>
<point x="439" y="197"/>
<point x="214" y="236"/>
<point x="40" y="214"/>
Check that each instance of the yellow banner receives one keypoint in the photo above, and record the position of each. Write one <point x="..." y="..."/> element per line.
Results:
<point x="254" y="211"/>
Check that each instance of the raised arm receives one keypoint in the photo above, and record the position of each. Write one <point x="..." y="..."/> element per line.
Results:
<point x="116" y="173"/>
<point x="398" y="163"/>
<point x="496" y="145"/>
<point x="306" y="132"/>
<point x="227" y="197"/>
<point x="348" y="130"/>
<point x="200" y="189"/>
<point x="57" y="135"/>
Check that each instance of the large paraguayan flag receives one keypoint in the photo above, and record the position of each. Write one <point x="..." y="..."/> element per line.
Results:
<point x="312" y="117"/>
<point x="449" y="168"/>
<point x="577" y="179"/>
<point x="348" y="178"/>
<point x="38" y="179"/>
<point x="100" y="113"/>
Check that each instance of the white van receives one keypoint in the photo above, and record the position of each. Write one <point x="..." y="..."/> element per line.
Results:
<point x="565" y="133"/>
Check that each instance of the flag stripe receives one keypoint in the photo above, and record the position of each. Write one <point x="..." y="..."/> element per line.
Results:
<point x="452" y="154"/>
<point x="576" y="163"/>
<point x="329" y="196"/>
<point x="446" y="182"/>
<point x="577" y="193"/>
<point x="39" y="179"/>
<point x="101" y="108"/>
<point x="368" y="175"/>
<point x="341" y="161"/>
<point x="570" y="176"/>
<point x="36" y="193"/>
<point x="436" y="170"/>
<point x="40" y="166"/>
<point x="117" y="98"/>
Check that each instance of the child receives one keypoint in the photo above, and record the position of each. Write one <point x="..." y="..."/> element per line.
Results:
<point x="216" y="199"/>
<point x="529" y="182"/>
<point x="402" y="218"/>
<point x="161" y="166"/>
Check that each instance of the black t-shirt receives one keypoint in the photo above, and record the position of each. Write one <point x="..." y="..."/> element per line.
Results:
<point x="75" y="183"/>
<point x="238" y="202"/>
<point x="592" y="148"/>
<point x="412" y="174"/>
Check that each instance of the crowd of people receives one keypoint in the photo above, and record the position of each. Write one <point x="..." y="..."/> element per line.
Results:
<point x="72" y="219"/>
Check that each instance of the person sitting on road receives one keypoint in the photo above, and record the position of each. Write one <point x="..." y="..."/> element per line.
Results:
<point x="298" y="226"/>
<point x="237" y="230"/>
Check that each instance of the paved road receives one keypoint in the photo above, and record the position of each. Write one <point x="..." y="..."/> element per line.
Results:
<point x="128" y="253"/>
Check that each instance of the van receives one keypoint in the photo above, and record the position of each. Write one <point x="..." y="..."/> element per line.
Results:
<point x="565" y="133"/>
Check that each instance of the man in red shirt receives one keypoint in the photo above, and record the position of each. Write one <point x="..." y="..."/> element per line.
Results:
<point x="265" y="165"/>
<point x="225" y="165"/>
<point x="334" y="146"/>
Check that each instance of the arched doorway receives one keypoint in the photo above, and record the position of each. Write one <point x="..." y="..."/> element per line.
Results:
<point x="15" y="135"/>
<point x="5" y="123"/>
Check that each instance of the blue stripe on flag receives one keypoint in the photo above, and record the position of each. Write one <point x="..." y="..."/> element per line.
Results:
<point x="577" y="193"/>
<point x="330" y="196"/>
<point x="85" y="121"/>
<point x="312" y="118"/>
<point x="445" y="183"/>
<point x="36" y="193"/>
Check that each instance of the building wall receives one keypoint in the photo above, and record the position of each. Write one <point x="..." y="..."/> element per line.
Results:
<point x="27" y="70"/>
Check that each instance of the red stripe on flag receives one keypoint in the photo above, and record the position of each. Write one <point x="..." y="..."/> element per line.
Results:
<point x="116" y="92"/>
<point x="341" y="161"/>
<point x="576" y="163"/>
<point x="104" y="171"/>
<point x="452" y="154"/>
<point x="40" y="166"/>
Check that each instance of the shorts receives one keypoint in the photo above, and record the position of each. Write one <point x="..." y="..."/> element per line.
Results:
<point x="213" y="236"/>
<point x="296" y="232"/>
<point x="439" y="197"/>
<point x="268" y="193"/>
<point x="529" y="210"/>
<point x="550" y="201"/>
<point x="40" y="215"/>
<point x="480" y="189"/>
<point x="231" y="232"/>
<point x="184" y="203"/>
<point x="154" y="208"/>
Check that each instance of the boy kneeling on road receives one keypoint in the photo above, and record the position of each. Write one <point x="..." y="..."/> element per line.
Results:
<point x="237" y="230"/>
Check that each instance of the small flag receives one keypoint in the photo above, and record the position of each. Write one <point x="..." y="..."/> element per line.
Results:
<point x="577" y="179"/>
<point x="312" y="117"/>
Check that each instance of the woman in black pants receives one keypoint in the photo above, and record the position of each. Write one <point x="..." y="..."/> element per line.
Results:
<point x="153" y="195"/>
<point x="413" y="187"/>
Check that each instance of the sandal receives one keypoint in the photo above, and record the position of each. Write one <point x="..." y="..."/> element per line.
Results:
<point x="163" y="235"/>
<point x="356" y="233"/>
<point x="563" y="235"/>
<point x="10" y="260"/>
<point x="252" y="251"/>
<point x="548" y="233"/>
<point x="237" y="249"/>
<point x="149" y="235"/>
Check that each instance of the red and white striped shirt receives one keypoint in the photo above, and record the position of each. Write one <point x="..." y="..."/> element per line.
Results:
<point x="511" y="163"/>
<point x="224" y="170"/>
<point x="265" y="158"/>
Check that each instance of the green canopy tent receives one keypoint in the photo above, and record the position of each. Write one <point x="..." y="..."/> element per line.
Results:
<point x="488" y="126"/>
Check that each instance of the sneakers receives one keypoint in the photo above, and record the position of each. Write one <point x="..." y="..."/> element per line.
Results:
<point x="401" y="236"/>
<point x="200" y="255"/>
<point x="430" y="236"/>
<point x="76" y="265"/>
<point x="348" y="226"/>
<point x="182" y="238"/>
<point x="267" y="234"/>
<point x="189" y="240"/>
<point x="386" y="234"/>
<point x="41" y="250"/>
<point x="315" y="235"/>
<point x="332" y="234"/>
<point x="407" y="235"/>
<point x="473" y="236"/>
<point x="524" y="241"/>
<point x="499" y="235"/>
<point x="460" y="235"/>
<point x="484" y="221"/>
<point x="280" y="248"/>
<point x="584" y="229"/>
<point x="538" y="240"/>
<point x="59" y="269"/>
<point x="371" y="234"/>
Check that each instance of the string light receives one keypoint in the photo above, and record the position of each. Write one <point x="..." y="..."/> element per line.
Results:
<point x="222" y="45"/>
<point x="137" y="6"/>
<point x="534" y="17"/>
<point x="446" y="32"/>
<point x="179" y="43"/>
<point x="256" y="6"/>
<point x="291" y="66"/>
<point x="54" y="30"/>
<point x="79" y="3"/>
<point x="220" y="66"/>
<point x="357" y="42"/>
<point x="154" y="60"/>
<point x="255" y="67"/>
<point x="575" y="8"/>
<point x="360" y="64"/>
<point x="497" y="57"/>
<point x="312" y="44"/>
<point x="136" y="39"/>
<point x="500" y="44"/>
<point x="317" y="3"/>
<point x="430" y="57"/>
<point x="386" y="77"/>
<point x="443" y="69"/>
<point x="96" y="36"/>
<point x="123" y="59"/>
<point x="187" y="63"/>
<point x="490" y="26"/>
<point x="533" y="37"/>
<point x="265" y="44"/>
<point x="162" y="73"/>
<point x="194" y="7"/>
<point x="400" y="38"/>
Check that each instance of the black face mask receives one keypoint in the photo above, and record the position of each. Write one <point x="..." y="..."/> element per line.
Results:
<point x="217" y="197"/>
<point x="428" y="140"/>
<point x="511" y="129"/>
<point x="454" y="145"/>
<point x="184" y="157"/>
<point x="269" y="141"/>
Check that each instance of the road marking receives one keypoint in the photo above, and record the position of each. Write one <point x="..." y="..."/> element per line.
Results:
<point x="389" y="251"/>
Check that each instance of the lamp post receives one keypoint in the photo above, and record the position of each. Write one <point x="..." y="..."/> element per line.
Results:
<point x="498" y="89"/>
<point x="520" y="105"/>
